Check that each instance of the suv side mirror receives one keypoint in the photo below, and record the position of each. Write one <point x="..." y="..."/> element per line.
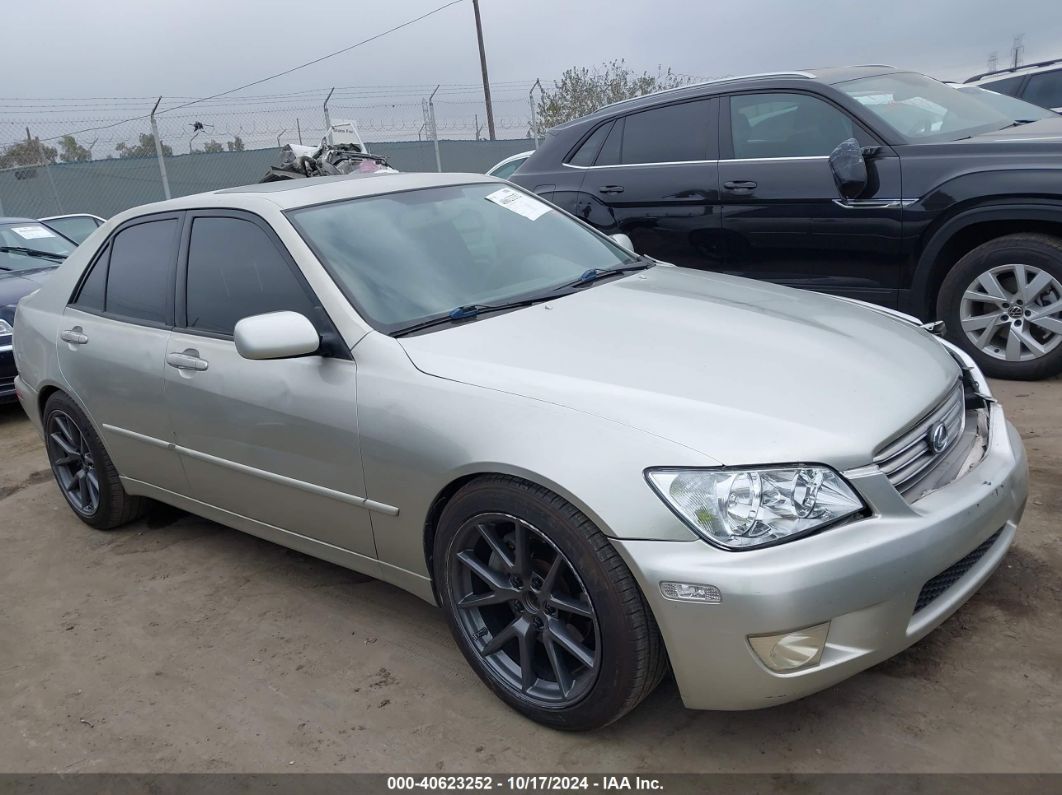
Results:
<point x="849" y="169"/>
<point x="276" y="335"/>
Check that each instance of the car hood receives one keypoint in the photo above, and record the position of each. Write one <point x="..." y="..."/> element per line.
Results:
<point x="15" y="285"/>
<point x="1046" y="130"/>
<point x="741" y="371"/>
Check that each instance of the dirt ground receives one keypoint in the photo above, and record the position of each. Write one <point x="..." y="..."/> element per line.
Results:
<point x="175" y="644"/>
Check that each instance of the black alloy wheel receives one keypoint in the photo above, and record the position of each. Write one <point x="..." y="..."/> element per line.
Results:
<point x="73" y="463"/>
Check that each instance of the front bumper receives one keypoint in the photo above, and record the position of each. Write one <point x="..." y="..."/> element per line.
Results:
<point x="7" y="372"/>
<point x="864" y="578"/>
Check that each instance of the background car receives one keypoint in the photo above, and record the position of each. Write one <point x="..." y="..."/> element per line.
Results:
<point x="1012" y="107"/>
<point x="29" y="252"/>
<point x="506" y="167"/>
<point x="1038" y="83"/>
<point x="866" y="182"/>
<point x="75" y="226"/>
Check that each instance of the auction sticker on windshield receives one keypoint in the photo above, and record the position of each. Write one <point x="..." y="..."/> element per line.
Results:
<point x="519" y="203"/>
<point x="31" y="232"/>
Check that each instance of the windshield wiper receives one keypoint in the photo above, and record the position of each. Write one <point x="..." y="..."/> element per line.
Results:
<point x="596" y="274"/>
<point x="32" y="252"/>
<point x="467" y="312"/>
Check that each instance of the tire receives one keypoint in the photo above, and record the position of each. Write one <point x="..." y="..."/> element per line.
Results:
<point x="580" y="599"/>
<point x="97" y="496"/>
<point x="1010" y="332"/>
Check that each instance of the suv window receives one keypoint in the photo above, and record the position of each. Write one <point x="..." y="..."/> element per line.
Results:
<point x="141" y="271"/>
<point x="786" y="125"/>
<point x="1008" y="86"/>
<point x="585" y="154"/>
<point x="235" y="271"/>
<point x="1045" y="89"/>
<point x="667" y="134"/>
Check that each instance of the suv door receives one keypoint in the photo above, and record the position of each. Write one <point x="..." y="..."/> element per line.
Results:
<point x="654" y="177"/>
<point x="275" y="441"/>
<point x="783" y="219"/>
<point x="112" y="347"/>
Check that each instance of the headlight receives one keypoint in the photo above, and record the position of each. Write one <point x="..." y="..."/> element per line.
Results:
<point x="746" y="508"/>
<point x="5" y="327"/>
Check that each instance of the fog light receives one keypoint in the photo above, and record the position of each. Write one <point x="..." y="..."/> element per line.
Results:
<point x="689" y="592"/>
<point x="797" y="649"/>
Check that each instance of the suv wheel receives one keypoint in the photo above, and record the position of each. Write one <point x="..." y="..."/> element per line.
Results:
<point x="543" y="607"/>
<point x="1002" y="303"/>
<point x="83" y="469"/>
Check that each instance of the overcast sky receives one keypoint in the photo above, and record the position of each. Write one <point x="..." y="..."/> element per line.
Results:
<point x="193" y="48"/>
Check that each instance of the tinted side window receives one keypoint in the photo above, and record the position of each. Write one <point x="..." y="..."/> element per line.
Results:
<point x="610" y="150"/>
<point x="587" y="153"/>
<point x="93" y="290"/>
<point x="1045" y="90"/>
<point x="1008" y="86"/>
<point x="661" y="135"/>
<point x="235" y="271"/>
<point x="141" y="273"/>
<point x="786" y="125"/>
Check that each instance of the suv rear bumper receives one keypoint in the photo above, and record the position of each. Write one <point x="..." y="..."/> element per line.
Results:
<point x="864" y="578"/>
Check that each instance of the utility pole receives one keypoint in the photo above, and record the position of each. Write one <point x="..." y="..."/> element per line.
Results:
<point x="483" y="68"/>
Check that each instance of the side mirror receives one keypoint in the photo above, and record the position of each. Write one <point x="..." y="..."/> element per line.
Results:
<point x="849" y="169"/>
<point x="624" y="241"/>
<point x="276" y="335"/>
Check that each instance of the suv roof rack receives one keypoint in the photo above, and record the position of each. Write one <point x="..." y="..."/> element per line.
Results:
<point x="801" y="75"/>
<point x="1012" y="70"/>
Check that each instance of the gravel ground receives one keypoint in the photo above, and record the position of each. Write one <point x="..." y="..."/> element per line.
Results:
<point x="175" y="644"/>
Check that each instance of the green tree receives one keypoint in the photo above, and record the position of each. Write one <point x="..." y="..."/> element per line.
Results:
<point x="235" y="145"/>
<point x="30" y="152"/>
<point x="582" y="90"/>
<point x="145" y="147"/>
<point x="70" y="151"/>
<point x="213" y="146"/>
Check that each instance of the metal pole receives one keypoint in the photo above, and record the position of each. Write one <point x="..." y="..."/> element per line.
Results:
<point x="280" y="134"/>
<point x="483" y="68"/>
<point x="434" y="129"/>
<point x="328" y="119"/>
<point x="534" y="115"/>
<point x="47" y="171"/>
<point x="299" y="128"/>
<point x="158" y="150"/>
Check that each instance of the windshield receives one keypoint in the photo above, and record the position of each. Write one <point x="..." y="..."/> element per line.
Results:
<point x="406" y="257"/>
<point x="924" y="110"/>
<point x="1016" y="109"/>
<point x="23" y="245"/>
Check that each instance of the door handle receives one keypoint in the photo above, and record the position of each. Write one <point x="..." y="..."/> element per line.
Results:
<point x="188" y="360"/>
<point x="740" y="185"/>
<point x="75" y="336"/>
<point x="610" y="189"/>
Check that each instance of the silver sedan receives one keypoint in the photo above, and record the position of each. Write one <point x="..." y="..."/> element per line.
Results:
<point x="599" y="466"/>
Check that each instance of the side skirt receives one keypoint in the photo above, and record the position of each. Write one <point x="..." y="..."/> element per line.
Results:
<point x="416" y="584"/>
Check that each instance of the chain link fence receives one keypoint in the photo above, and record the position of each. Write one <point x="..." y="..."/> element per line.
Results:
<point x="102" y="156"/>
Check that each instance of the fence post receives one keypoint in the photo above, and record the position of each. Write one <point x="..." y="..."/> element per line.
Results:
<point x="534" y="114"/>
<point x="434" y="129"/>
<point x="158" y="150"/>
<point x="328" y="119"/>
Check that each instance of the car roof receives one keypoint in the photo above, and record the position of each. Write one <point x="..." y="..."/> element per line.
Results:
<point x="1017" y="71"/>
<point x="302" y="192"/>
<point x="828" y="75"/>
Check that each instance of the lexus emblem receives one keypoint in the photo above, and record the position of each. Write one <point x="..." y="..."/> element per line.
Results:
<point x="938" y="437"/>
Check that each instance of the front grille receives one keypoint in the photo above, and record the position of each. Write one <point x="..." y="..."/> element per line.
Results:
<point x="910" y="458"/>
<point x="955" y="572"/>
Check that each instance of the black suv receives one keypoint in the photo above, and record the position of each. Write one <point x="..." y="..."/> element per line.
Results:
<point x="865" y="182"/>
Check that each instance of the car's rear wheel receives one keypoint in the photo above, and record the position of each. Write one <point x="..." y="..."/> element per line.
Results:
<point x="543" y="607"/>
<point x="1002" y="303"/>
<point x="84" y="471"/>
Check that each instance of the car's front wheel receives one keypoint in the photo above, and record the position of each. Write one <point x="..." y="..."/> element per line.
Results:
<point x="83" y="469"/>
<point x="1002" y="303"/>
<point x="543" y="607"/>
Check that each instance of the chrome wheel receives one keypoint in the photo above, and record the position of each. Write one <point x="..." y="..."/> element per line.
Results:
<point x="522" y="606"/>
<point x="73" y="463"/>
<point x="1013" y="312"/>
